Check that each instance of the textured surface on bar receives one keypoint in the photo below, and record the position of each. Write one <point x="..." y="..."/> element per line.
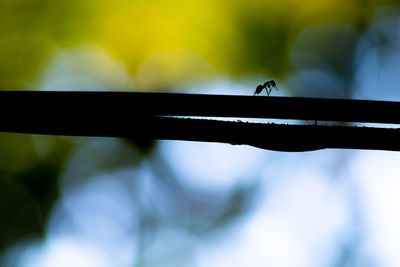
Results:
<point x="280" y="137"/>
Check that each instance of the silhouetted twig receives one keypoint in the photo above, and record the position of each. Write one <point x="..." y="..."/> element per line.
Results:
<point x="120" y="114"/>
<point x="131" y="104"/>
<point x="281" y="137"/>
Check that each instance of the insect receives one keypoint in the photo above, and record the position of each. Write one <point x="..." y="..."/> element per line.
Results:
<point x="268" y="85"/>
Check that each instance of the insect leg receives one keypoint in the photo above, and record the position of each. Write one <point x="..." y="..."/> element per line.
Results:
<point x="269" y="90"/>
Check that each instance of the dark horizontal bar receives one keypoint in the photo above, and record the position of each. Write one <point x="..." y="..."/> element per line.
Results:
<point x="270" y="136"/>
<point x="279" y="137"/>
<point x="29" y="106"/>
<point x="142" y="115"/>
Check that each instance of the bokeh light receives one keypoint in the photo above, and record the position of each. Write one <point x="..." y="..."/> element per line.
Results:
<point x="75" y="201"/>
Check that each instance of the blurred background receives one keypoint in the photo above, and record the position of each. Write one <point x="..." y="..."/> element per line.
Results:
<point x="74" y="201"/>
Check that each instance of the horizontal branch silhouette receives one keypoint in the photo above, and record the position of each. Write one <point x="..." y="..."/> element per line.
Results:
<point x="133" y="104"/>
<point x="143" y="115"/>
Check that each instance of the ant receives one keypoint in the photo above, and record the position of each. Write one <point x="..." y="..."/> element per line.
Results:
<point x="268" y="85"/>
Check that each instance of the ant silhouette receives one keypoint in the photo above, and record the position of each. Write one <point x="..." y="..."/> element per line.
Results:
<point x="268" y="85"/>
